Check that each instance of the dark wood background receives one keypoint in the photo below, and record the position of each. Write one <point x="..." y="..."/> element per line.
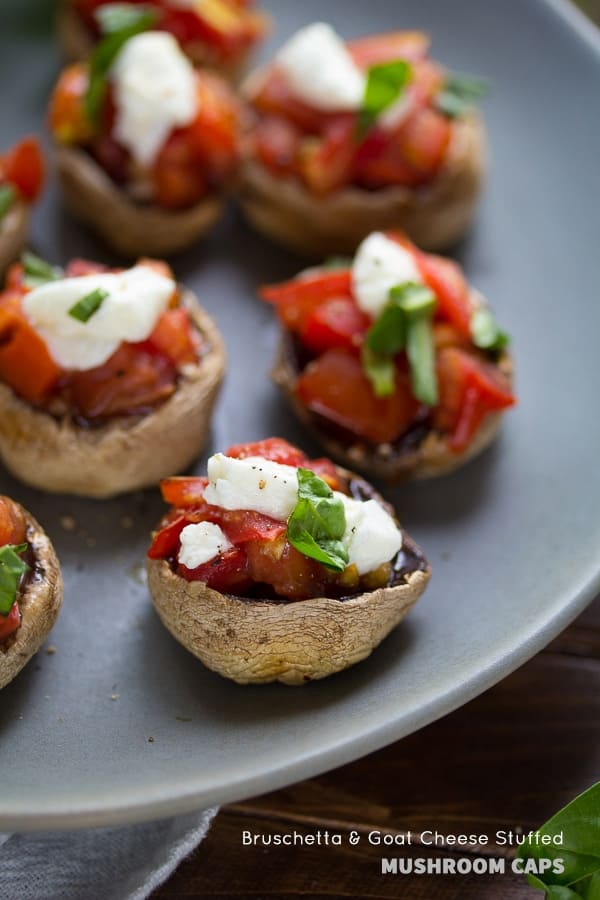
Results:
<point x="508" y="759"/>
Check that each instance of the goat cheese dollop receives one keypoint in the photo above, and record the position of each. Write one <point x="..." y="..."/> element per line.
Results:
<point x="379" y="265"/>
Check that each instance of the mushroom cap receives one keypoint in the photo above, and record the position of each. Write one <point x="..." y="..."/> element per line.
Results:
<point x="39" y="602"/>
<point x="131" y="229"/>
<point x="126" y="453"/>
<point x="254" y="641"/>
<point x="429" y="458"/>
<point x="13" y="233"/>
<point x="434" y="216"/>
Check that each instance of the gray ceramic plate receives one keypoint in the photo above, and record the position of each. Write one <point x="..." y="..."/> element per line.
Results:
<point x="514" y="538"/>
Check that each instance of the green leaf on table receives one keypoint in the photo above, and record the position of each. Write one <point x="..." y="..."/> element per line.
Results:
<point x="7" y="197"/>
<point x="318" y="523"/>
<point x="576" y="827"/>
<point x="385" y="84"/>
<point x="37" y="271"/>
<point x="460" y="94"/>
<point x="12" y="568"/>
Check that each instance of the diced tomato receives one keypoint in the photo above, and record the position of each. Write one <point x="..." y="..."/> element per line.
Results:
<point x="112" y="157"/>
<point x="242" y="526"/>
<point x="335" y="387"/>
<point x="78" y="267"/>
<point x="173" y="336"/>
<point x="380" y="162"/>
<point x="226" y="573"/>
<point x="10" y="623"/>
<point x="334" y="323"/>
<point x="288" y="572"/>
<point x="327" y="163"/>
<point x="12" y="523"/>
<point x="215" y="132"/>
<point x="296" y="299"/>
<point x="423" y="141"/>
<point x="165" y="542"/>
<point x="470" y="388"/>
<point x="67" y="117"/>
<point x="25" y="362"/>
<point x="276" y="144"/>
<point x="177" y="174"/>
<point x="131" y="381"/>
<point x="226" y="26"/>
<point x="446" y="280"/>
<point x="274" y="98"/>
<point x="23" y="166"/>
<point x="181" y="491"/>
<point x="379" y="48"/>
<point x="275" y="449"/>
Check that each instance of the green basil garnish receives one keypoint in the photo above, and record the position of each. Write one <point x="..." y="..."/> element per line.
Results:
<point x="106" y="51"/>
<point x="38" y="271"/>
<point x="460" y="94"/>
<point x="318" y="523"/>
<point x="577" y="827"/>
<point x="405" y="323"/>
<point x="333" y="263"/>
<point x="486" y="332"/>
<point x="113" y="17"/>
<point x="85" y="308"/>
<point x="12" y="568"/>
<point x="385" y="84"/>
<point x="7" y="198"/>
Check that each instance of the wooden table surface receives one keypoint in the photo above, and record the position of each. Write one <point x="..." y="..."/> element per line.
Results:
<point x="508" y="759"/>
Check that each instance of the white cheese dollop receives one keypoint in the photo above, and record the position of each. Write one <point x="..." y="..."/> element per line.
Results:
<point x="254" y="483"/>
<point x="200" y="543"/>
<point x="320" y="71"/>
<point x="155" y="92"/>
<point x="136" y="300"/>
<point x="379" y="265"/>
<point x="371" y="538"/>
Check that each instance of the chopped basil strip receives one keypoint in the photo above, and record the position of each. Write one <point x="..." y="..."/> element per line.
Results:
<point x="318" y="523"/>
<point x="104" y="55"/>
<point x="7" y="197"/>
<point x="404" y="323"/>
<point x="12" y="568"/>
<point x="38" y="271"/>
<point x="380" y="370"/>
<point x="85" y="308"/>
<point x="460" y="94"/>
<point x="486" y="332"/>
<point x="113" y="17"/>
<point x="385" y="84"/>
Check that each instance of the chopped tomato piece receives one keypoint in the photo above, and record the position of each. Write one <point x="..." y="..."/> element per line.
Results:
<point x="446" y="280"/>
<point x="165" y="542"/>
<point x="276" y="143"/>
<point x="380" y="161"/>
<point x="25" y="362"/>
<point x="23" y="166"/>
<point x="227" y="572"/>
<point x="470" y="388"/>
<point x="174" y="338"/>
<point x="177" y="174"/>
<point x="379" y="48"/>
<point x="275" y="449"/>
<point x="274" y="97"/>
<point x="296" y="299"/>
<point x="112" y="157"/>
<point x="335" y="387"/>
<point x="214" y="133"/>
<point x="327" y="163"/>
<point x="10" y="623"/>
<point x="334" y="323"/>
<point x="242" y="526"/>
<point x="424" y="139"/>
<point x="67" y="117"/>
<point x="12" y="523"/>
<point x="181" y="490"/>
<point x="131" y="381"/>
<point x="288" y="572"/>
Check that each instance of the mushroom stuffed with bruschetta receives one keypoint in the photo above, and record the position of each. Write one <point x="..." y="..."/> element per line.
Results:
<point x="146" y="145"/>
<point x="21" y="181"/>
<point x="31" y="588"/>
<point x="393" y="360"/>
<point x="215" y="34"/>
<point x="345" y="138"/>
<point x="276" y="567"/>
<point x="108" y="378"/>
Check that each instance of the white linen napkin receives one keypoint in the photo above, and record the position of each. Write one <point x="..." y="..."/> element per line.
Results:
<point x="125" y="863"/>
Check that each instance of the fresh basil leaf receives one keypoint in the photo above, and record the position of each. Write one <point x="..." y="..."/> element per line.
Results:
<point x="459" y="94"/>
<point x="38" y="271"/>
<point x="385" y="84"/>
<point x="103" y="57"/>
<point x="589" y="888"/>
<point x="421" y="357"/>
<point x="413" y="299"/>
<point x="85" y="308"/>
<point x="387" y="334"/>
<point x="380" y="370"/>
<point x="578" y="825"/>
<point x="486" y="332"/>
<point x="12" y="568"/>
<point x="318" y="523"/>
<point x="7" y="198"/>
<point x="113" y="17"/>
